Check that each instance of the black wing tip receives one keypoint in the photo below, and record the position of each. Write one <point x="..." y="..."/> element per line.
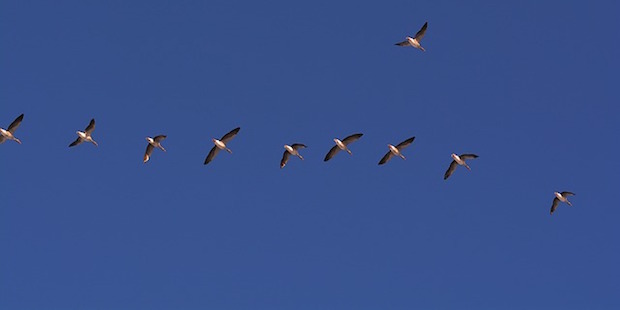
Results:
<point x="20" y="117"/>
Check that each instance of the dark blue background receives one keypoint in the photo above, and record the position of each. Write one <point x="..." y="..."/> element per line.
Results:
<point x="530" y="86"/>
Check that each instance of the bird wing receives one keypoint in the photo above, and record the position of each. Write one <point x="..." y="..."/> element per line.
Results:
<point x="450" y="170"/>
<point x="298" y="146"/>
<point x="212" y="154"/>
<point x="420" y="34"/>
<point x="333" y="151"/>
<point x="554" y="205"/>
<point x="2" y="139"/>
<point x="91" y="127"/>
<point x="159" y="138"/>
<point x="403" y="43"/>
<point x="405" y="143"/>
<point x="468" y="156"/>
<point x="147" y="154"/>
<point x="385" y="158"/>
<point x="230" y="135"/>
<point x="352" y="138"/>
<point x="76" y="142"/>
<point x="284" y="159"/>
<point x="567" y="194"/>
<point x="15" y="124"/>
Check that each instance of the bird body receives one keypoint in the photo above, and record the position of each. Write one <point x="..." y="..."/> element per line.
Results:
<point x="458" y="161"/>
<point x="342" y="145"/>
<point x="9" y="133"/>
<point x="85" y="135"/>
<point x="220" y="144"/>
<point x="560" y="197"/>
<point x="291" y="150"/>
<point x="415" y="41"/>
<point x="153" y="143"/>
<point x="396" y="151"/>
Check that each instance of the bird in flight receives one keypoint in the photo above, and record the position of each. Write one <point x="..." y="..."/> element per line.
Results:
<point x="291" y="150"/>
<point x="415" y="41"/>
<point x="8" y="133"/>
<point x="560" y="197"/>
<point x="221" y="144"/>
<point x="396" y="150"/>
<point x="458" y="161"/>
<point x="342" y="145"/>
<point x="153" y="143"/>
<point x="85" y="135"/>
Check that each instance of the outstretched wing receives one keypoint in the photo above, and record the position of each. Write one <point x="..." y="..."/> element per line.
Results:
<point x="212" y="154"/>
<point x="554" y="205"/>
<point x="284" y="159"/>
<point x="403" y="43"/>
<point x="450" y="170"/>
<point x="333" y="151"/>
<point x="15" y="124"/>
<point x="76" y="142"/>
<point x="468" y="156"/>
<point x="567" y="194"/>
<point x="352" y="138"/>
<point x="147" y="154"/>
<point x="298" y="146"/>
<point x="159" y="138"/>
<point x="91" y="127"/>
<point x="405" y="143"/>
<point x="385" y="158"/>
<point x="420" y="34"/>
<point x="231" y="134"/>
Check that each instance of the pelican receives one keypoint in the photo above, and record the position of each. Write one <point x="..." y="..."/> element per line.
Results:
<point x="8" y="134"/>
<point x="458" y="161"/>
<point x="221" y="144"/>
<point x="86" y="135"/>
<point x="415" y="41"/>
<point x="291" y="150"/>
<point x="395" y="150"/>
<point x="153" y="143"/>
<point x="560" y="197"/>
<point x="342" y="145"/>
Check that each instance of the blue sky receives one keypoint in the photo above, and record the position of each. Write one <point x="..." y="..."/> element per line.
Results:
<point x="529" y="86"/>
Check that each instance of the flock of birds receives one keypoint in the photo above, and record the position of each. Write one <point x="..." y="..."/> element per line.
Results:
<point x="293" y="149"/>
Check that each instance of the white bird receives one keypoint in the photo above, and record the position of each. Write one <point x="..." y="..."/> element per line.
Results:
<point x="342" y="145"/>
<point x="458" y="160"/>
<point x="396" y="150"/>
<point x="85" y="135"/>
<point x="221" y="144"/>
<point x="153" y="143"/>
<point x="8" y="134"/>
<point x="560" y="197"/>
<point x="415" y="41"/>
<point x="291" y="150"/>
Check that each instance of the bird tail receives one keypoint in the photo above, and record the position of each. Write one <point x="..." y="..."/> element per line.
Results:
<point x="568" y="202"/>
<point x="18" y="141"/>
<point x="467" y="166"/>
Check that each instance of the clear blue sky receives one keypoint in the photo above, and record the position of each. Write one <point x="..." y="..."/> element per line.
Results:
<point x="530" y="86"/>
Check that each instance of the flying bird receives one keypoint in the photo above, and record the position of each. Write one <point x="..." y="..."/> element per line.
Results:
<point x="153" y="143"/>
<point x="342" y="145"/>
<point x="86" y="135"/>
<point x="560" y="197"/>
<point x="415" y="41"/>
<point x="8" y="134"/>
<point x="221" y="144"/>
<point x="396" y="150"/>
<point x="458" y="161"/>
<point x="291" y="150"/>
